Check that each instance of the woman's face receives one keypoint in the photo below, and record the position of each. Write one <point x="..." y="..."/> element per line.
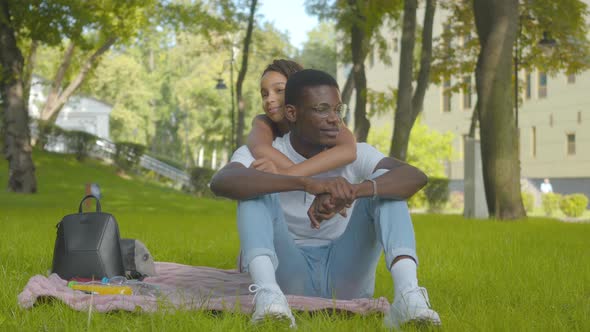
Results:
<point x="272" y="91"/>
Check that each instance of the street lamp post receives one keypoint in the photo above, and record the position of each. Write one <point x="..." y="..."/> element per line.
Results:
<point x="231" y="89"/>
<point x="517" y="56"/>
<point x="547" y="45"/>
<point x="222" y="86"/>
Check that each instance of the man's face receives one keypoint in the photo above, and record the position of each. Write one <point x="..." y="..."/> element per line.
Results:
<point x="318" y="117"/>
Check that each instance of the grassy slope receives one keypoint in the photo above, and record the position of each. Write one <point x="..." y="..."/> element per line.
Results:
<point x="481" y="275"/>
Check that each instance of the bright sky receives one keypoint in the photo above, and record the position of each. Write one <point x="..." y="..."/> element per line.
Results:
<point x="289" y="15"/>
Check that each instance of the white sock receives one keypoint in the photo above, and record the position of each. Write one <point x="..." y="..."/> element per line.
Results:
<point x="404" y="275"/>
<point x="262" y="272"/>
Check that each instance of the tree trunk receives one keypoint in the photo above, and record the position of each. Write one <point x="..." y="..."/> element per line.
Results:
<point x="425" y="59"/>
<point x="347" y="93"/>
<point x="474" y="120"/>
<point x="152" y="102"/>
<point x="496" y="24"/>
<point x="361" y="123"/>
<point x="17" y="145"/>
<point x="53" y="94"/>
<point x="409" y="107"/>
<point x="242" y="76"/>
<point x="348" y="88"/>
<point x="56" y="99"/>
<point x="29" y="68"/>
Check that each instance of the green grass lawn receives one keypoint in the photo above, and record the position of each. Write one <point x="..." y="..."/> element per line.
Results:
<point x="529" y="275"/>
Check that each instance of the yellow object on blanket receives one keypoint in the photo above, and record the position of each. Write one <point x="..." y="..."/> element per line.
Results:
<point x="101" y="289"/>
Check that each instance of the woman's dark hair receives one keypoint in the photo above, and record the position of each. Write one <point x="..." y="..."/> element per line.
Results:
<point x="283" y="66"/>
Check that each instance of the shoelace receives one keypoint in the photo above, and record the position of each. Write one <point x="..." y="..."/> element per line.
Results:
<point x="276" y="297"/>
<point x="423" y="292"/>
<point x="256" y="289"/>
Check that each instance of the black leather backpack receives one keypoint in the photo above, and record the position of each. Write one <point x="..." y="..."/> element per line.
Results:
<point x="87" y="245"/>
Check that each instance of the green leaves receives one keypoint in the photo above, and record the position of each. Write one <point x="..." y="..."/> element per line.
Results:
<point x="319" y="52"/>
<point x="369" y="15"/>
<point x="163" y="91"/>
<point x="428" y="149"/>
<point x="456" y="49"/>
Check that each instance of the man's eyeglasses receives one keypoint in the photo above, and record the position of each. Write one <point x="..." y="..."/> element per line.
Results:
<point x="323" y="110"/>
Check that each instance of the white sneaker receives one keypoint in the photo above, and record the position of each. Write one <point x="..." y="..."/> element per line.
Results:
<point x="270" y="303"/>
<point x="412" y="305"/>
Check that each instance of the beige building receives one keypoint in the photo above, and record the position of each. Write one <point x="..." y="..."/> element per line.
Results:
<point x="554" y="119"/>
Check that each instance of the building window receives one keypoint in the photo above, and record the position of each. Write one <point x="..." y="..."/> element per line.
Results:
<point x="551" y="120"/>
<point x="542" y="85"/>
<point x="571" y="78"/>
<point x="579" y="117"/>
<point x="446" y="96"/>
<point x="534" y="141"/>
<point x="527" y="79"/>
<point x="466" y="93"/>
<point x="571" y="144"/>
<point x="395" y="45"/>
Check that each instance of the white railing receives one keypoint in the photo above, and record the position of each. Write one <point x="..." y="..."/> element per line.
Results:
<point x="164" y="169"/>
<point x="106" y="149"/>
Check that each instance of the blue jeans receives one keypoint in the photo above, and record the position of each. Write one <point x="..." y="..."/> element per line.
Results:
<point x="343" y="269"/>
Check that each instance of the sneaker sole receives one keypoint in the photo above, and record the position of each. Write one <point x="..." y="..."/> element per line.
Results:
<point x="275" y="316"/>
<point x="423" y="322"/>
<point x="393" y="320"/>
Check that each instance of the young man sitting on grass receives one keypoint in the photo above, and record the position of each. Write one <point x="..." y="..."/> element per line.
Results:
<point x="295" y="235"/>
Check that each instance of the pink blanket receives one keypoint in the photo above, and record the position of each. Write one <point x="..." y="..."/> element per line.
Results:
<point x="188" y="288"/>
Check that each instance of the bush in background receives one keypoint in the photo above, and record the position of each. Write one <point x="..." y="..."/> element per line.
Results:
<point x="79" y="142"/>
<point x="528" y="201"/>
<point x="418" y="201"/>
<point x="200" y="178"/>
<point x="550" y="202"/>
<point x="127" y="155"/>
<point x="46" y="132"/>
<point x="573" y="205"/>
<point x="437" y="193"/>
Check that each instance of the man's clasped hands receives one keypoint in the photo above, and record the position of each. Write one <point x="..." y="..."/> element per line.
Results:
<point x="332" y="195"/>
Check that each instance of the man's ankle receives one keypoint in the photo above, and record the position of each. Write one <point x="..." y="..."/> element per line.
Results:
<point x="262" y="272"/>
<point x="404" y="275"/>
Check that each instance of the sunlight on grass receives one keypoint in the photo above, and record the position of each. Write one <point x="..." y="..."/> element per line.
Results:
<point x="528" y="275"/>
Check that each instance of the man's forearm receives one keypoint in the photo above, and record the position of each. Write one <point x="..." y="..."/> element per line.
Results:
<point x="238" y="182"/>
<point x="398" y="183"/>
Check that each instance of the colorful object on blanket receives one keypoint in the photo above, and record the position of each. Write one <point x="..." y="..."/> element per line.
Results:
<point x="100" y="288"/>
<point x="139" y="287"/>
<point x="115" y="286"/>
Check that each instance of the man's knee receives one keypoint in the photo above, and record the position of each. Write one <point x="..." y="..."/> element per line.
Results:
<point x="394" y="204"/>
<point x="268" y="200"/>
<point x="265" y="204"/>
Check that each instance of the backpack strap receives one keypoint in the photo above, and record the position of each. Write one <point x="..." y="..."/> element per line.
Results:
<point x="98" y="209"/>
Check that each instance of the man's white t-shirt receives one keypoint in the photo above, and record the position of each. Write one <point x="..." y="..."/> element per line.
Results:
<point x="296" y="203"/>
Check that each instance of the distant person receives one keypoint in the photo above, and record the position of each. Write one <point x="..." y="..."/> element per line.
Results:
<point x="546" y="187"/>
<point x="292" y="236"/>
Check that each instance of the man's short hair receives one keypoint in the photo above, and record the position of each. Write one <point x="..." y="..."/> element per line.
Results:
<point x="303" y="79"/>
